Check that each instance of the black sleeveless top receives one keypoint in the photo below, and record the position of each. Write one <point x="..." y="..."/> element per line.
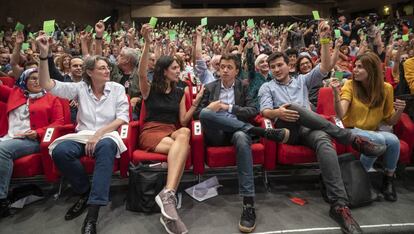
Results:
<point x="162" y="107"/>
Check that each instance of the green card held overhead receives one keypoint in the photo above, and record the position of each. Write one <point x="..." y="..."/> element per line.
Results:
<point x="231" y="32"/>
<point x="245" y="34"/>
<point x="31" y="35"/>
<point x="337" y="33"/>
<point x="382" y="25"/>
<point x="172" y="34"/>
<point x="88" y="28"/>
<point x="19" y="27"/>
<point x="339" y="75"/>
<point x="49" y="26"/>
<point x="250" y="23"/>
<point x="405" y="37"/>
<point x="316" y="15"/>
<point x="25" y="46"/>
<point x="133" y="24"/>
<point x="228" y="35"/>
<point x="153" y="21"/>
<point x="204" y="21"/>
<point x="106" y="19"/>
<point x="215" y="39"/>
<point x="396" y="36"/>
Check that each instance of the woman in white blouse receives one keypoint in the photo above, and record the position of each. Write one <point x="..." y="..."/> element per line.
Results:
<point x="103" y="108"/>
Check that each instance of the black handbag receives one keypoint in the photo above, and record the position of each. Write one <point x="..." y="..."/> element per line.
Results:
<point x="356" y="181"/>
<point x="145" y="182"/>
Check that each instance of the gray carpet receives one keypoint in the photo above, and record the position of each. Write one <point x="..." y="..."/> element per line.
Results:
<point x="275" y="212"/>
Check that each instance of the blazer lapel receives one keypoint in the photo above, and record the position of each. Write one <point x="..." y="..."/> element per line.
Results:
<point x="217" y="88"/>
<point x="237" y="93"/>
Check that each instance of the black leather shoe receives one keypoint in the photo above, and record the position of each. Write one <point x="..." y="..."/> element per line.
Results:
<point x="89" y="226"/>
<point x="279" y="134"/>
<point x="388" y="188"/>
<point x="248" y="219"/>
<point x="4" y="208"/>
<point x="367" y="147"/>
<point x="342" y="215"/>
<point x="77" y="209"/>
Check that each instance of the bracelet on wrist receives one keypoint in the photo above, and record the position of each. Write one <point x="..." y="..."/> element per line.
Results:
<point x="324" y="41"/>
<point x="98" y="38"/>
<point x="43" y="58"/>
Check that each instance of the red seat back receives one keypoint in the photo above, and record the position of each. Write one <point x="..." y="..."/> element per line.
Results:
<point x="8" y="81"/>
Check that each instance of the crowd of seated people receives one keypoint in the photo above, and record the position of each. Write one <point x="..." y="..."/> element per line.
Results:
<point x="240" y="72"/>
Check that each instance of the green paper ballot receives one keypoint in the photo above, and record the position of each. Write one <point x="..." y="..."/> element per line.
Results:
<point x="339" y="75"/>
<point x="405" y="37"/>
<point x="31" y="35"/>
<point x="133" y="24"/>
<point x="153" y="21"/>
<point x="19" y="27"/>
<point x="204" y="21"/>
<point x="396" y="36"/>
<point x="88" y="28"/>
<point x="172" y="34"/>
<point x="231" y="32"/>
<point x="250" y="23"/>
<point x="245" y="34"/>
<point x="316" y="15"/>
<point x="106" y="19"/>
<point x="382" y="25"/>
<point x="215" y="39"/>
<point x="337" y="33"/>
<point x="49" y="26"/>
<point x="25" y="46"/>
<point x="228" y="35"/>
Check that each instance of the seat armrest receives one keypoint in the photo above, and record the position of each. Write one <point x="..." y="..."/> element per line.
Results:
<point x="197" y="147"/>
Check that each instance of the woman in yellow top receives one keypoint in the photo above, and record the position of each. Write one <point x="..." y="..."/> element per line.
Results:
<point x="363" y="104"/>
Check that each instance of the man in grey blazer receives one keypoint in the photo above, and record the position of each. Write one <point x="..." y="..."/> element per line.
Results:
<point x="224" y="113"/>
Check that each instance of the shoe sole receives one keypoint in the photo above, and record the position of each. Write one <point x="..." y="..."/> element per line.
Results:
<point x="287" y="135"/>
<point x="246" y="229"/>
<point x="166" y="228"/>
<point x="159" y="203"/>
<point x="342" y="228"/>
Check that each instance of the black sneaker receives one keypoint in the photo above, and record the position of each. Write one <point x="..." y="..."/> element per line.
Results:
<point x="4" y="208"/>
<point x="279" y="134"/>
<point x="248" y="219"/>
<point x="367" y="147"/>
<point x="388" y="188"/>
<point x="342" y="215"/>
<point x="77" y="209"/>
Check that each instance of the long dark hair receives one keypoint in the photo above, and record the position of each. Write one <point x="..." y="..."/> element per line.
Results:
<point x="159" y="81"/>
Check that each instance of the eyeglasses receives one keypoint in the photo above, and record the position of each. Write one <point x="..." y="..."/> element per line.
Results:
<point x="305" y="64"/>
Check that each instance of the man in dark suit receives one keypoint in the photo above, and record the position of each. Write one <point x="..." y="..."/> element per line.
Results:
<point x="224" y="113"/>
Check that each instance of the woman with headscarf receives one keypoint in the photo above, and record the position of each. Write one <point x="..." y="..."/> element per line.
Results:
<point x="30" y="110"/>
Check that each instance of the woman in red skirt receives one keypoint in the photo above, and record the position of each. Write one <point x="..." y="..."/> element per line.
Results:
<point x="165" y="105"/>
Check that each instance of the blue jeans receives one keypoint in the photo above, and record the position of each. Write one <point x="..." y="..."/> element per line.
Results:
<point x="11" y="150"/>
<point x="391" y="155"/>
<point x="66" y="157"/>
<point x="220" y="130"/>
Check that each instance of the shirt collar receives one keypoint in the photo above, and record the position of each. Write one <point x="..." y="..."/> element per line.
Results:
<point x="222" y="86"/>
<point x="107" y="89"/>
<point x="280" y="83"/>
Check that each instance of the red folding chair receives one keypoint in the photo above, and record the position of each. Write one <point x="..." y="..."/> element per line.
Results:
<point x="137" y="155"/>
<point x="404" y="129"/>
<point x="88" y="163"/>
